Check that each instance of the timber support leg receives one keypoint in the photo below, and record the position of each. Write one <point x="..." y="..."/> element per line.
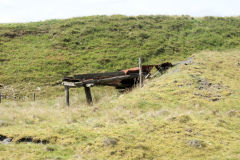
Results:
<point x="88" y="95"/>
<point x="67" y="95"/>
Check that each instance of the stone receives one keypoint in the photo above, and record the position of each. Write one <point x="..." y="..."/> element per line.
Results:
<point x="187" y="62"/>
<point x="110" y="141"/>
<point x="7" y="141"/>
<point x="196" y="143"/>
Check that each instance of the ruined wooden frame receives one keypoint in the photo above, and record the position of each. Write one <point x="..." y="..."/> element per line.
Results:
<point x="90" y="83"/>
<point x="110" y="79"/>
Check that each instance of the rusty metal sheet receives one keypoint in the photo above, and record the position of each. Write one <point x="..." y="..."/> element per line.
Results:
<point x="145" y="68"/>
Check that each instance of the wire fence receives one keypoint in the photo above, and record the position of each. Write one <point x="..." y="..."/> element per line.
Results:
<point x="17" y="97"/>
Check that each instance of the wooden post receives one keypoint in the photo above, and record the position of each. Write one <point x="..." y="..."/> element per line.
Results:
<point x="140" y="73"/>
<point x="67" y="95"/>
<point x="134" y="82"/>
<point x="34" y="96"/>
<point x="88" y="95"/>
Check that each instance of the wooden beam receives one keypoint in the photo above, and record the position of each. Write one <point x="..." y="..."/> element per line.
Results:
<point x="88" y="95"/>
<point x="69" y="84"/>
<point x="99" y="75"/>
<point x="140" y="73"/>
<point x="67" y="95"/>
<point x="105" y="81"/>
<point x="112" y="79"/>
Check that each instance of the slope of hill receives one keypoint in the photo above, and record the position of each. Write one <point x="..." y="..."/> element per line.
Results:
<point x="39" y="54"/>
<point x="191" y="112"/>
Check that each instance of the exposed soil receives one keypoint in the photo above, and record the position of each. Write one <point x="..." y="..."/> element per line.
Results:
<point x="7" y="140"/>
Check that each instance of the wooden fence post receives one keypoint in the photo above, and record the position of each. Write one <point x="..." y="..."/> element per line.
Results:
<point x="67" y="95"/>
<point x="88" y="95"/>
<point x="140" y="73"/>
<point x="34" y="96"/>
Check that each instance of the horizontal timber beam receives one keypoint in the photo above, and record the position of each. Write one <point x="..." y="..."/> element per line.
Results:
<point x="99" y="75"/>
<point x="105" y="81"/>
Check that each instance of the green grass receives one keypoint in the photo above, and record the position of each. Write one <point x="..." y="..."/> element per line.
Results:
<point x="198" y="101"/>
<point x="39" y="54"/>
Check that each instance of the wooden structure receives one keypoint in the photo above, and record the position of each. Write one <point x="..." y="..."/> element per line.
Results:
<point x="121" y="79"/>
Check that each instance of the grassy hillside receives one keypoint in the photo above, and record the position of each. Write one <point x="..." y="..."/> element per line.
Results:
<point x="39" y="54"/>
<point x="191" y="112"/>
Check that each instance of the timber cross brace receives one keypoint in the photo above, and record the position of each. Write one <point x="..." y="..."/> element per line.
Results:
<point x="120" y="80"/>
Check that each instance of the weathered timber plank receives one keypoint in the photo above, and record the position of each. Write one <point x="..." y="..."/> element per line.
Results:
<point x="108" y="80"/>
<point x="70" y="79"/>
<point x="69" y="84"/>
<point x="105" y="81"/>
<point x="99" y="75"/>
